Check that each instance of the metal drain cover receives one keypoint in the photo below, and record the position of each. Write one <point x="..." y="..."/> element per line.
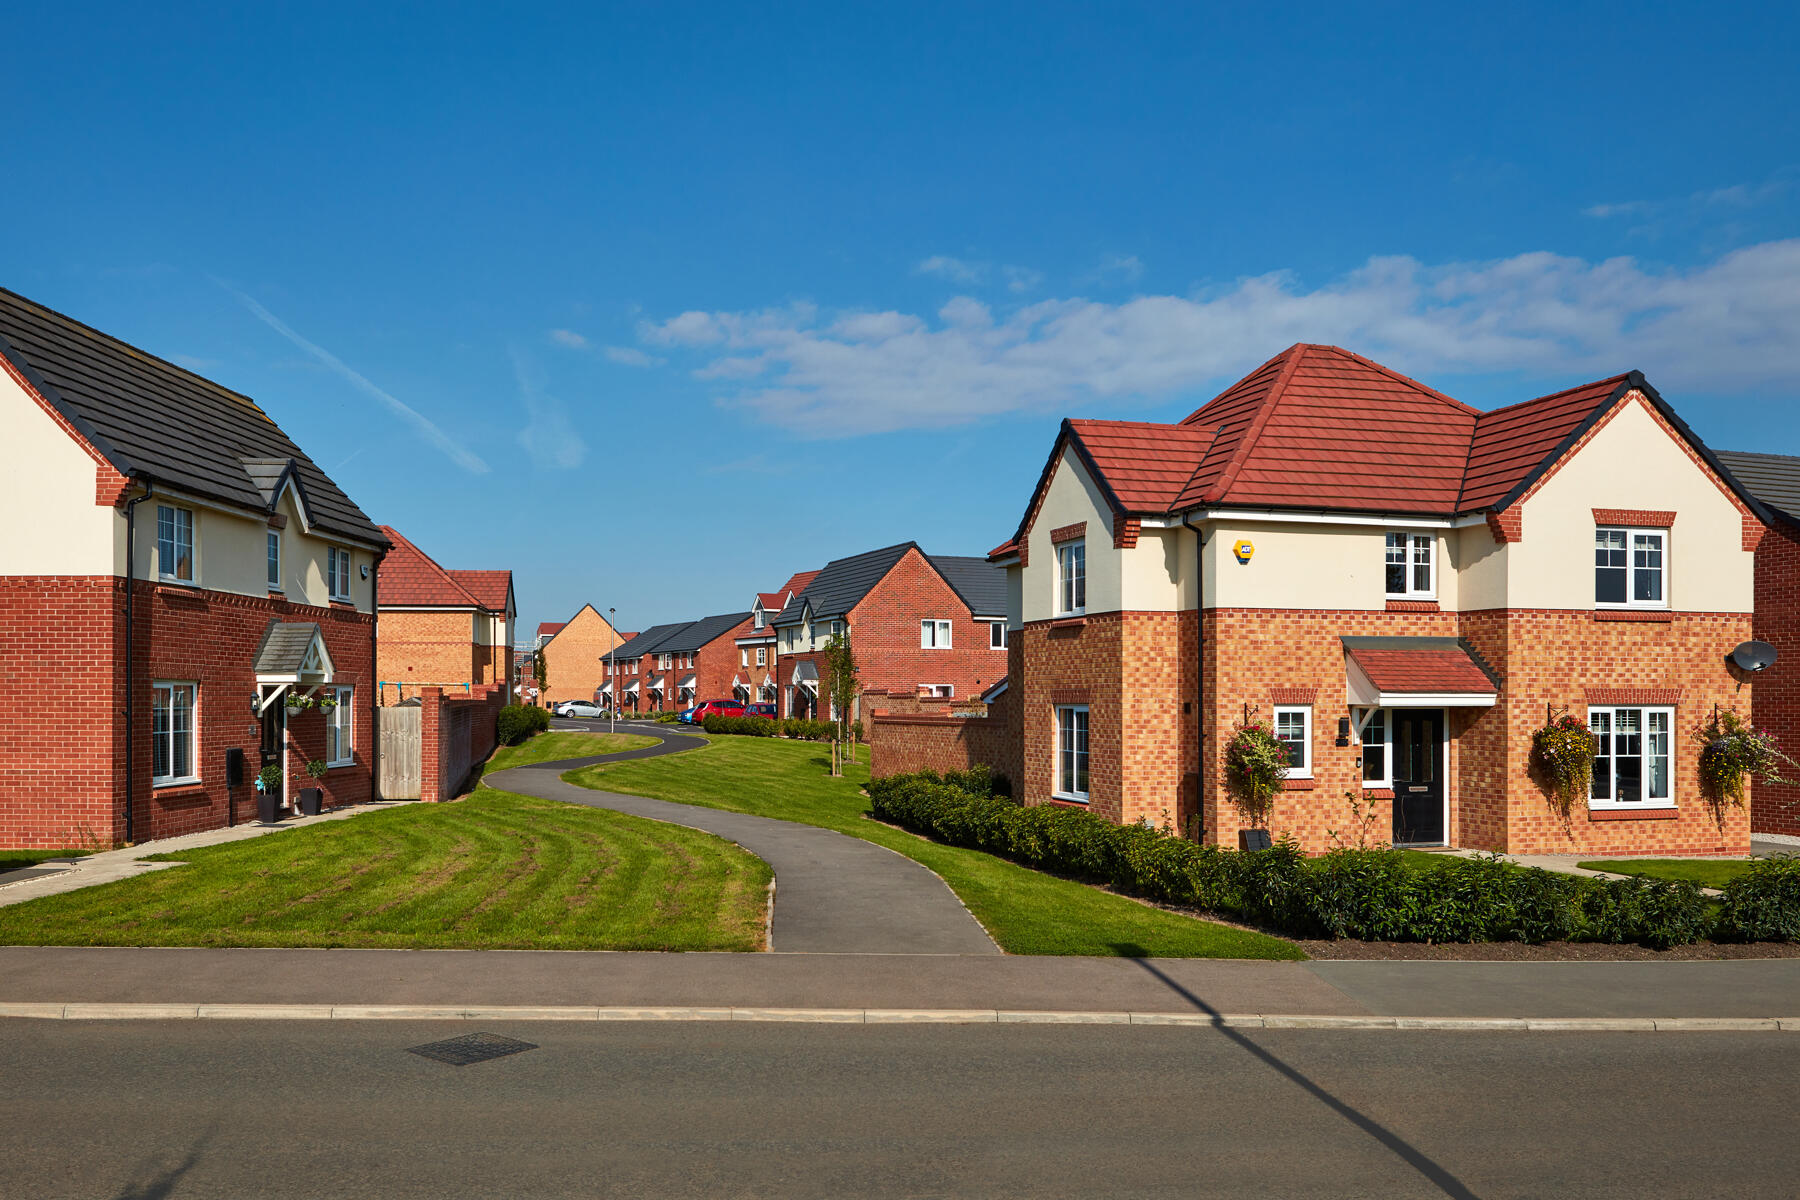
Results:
<point x="471" y="1048"/>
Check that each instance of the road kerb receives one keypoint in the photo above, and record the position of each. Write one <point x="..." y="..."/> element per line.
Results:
<point x="1326" y="1022"/>
<point x="663" y="1014"/>
<point x="1590" y="1025"/>
<point x="1717" y="1025"/>
<point x="826" y="1016"/>
<point x="1053" y="1017"/>
<point x="24" y="1008"/>
<point x="1513" y="1024"/>
<point x="397" y="1012"/>
<point x="264" y="1012"/>
<point x="130" y="1012"/>
<point x="930" y="1016"/>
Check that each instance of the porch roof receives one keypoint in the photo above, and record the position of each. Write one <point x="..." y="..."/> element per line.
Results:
<point x="1416" y="672"/>
<point x="293" y="652"/>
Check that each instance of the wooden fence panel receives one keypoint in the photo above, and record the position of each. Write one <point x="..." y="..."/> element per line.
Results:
<point x="402" y="736"/>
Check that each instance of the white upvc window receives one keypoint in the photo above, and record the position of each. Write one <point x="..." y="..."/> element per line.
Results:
<point x="175" y="543"/>
<point x="942" y="691"/>
<point x="340" y="728"/>
<point x="934" y="635"/>
<point x="275" y="560"/>
<point x="173" y="758"/>
<point x="756" y="617"/>
<point x="1631" y="568"/>
<point x="1377" y="747"/>
<point x="1071" y="578"/>
<point x="743" y="656"/>
<point x="1293" y="729"/>
<point x="337" y="572"/>
<point x="996" y="635"/>
<point x="662" y="662"/>
<point x="1633" y="757"/>
<point x="1411" y="572"/>
<point x="1072" y="752"/>
<point x="762" y="656"/>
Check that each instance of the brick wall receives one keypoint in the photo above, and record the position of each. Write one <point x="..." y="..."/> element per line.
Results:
<point x="573" y="658"/>
<point x="419" y="649"/>
<point x="1775" y="808"/>
<point x="884" y="629"/>
<point x="456" y="732"/>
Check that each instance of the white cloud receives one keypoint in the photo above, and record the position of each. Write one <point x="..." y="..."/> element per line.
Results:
<point x="1730" y="323"/>
<point x="953" y="268"/>
<point x="631" y="356"/>
<point x="569" y="338"/>
<point x="1695" y="206"/>
<point x="549" y="436"/>
<point x="1021" y="279"/>
<point x="1119" y="268"/>
<point x="423" y="425"/>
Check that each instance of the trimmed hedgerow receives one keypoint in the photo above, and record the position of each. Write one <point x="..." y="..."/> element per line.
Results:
<point x="1369" y="895"/>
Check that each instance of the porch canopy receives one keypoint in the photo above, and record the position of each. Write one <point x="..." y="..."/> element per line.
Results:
<point x="292" y="654"/>
<point x="686" y="684"/>
<point x="806" y="675"/>
<point x="1416" y="672"/>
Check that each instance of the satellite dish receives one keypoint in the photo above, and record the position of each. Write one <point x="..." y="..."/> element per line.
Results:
<point x="1754" y="656"/>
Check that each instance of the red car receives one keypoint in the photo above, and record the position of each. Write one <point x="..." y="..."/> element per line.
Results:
<point x="717" y="708"/>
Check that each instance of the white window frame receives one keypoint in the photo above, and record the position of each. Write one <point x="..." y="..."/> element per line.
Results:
<point x="934" y="634"/>
<point x="341" y="724"/>
<point x="1632" y="534"/>
<point x="938" y="691"/>
<point x="756" y="617"/>
<point x="743" y="656"/>
<point x="1610" y="746"/>
<point x="1418" y="550"/>
<point x="1305" y="769"/>
<point x="1071" y="585"/>
<point x="1084" y="753"/>
<point x="274" y="549"/>
<point x="996" y="635"/>
<point x="164" y="562"/>
<point x="337" y="564"/>
<point x="762" y="656"/>
<point x="1363" y="718"/>
<point x="193" y="731"/>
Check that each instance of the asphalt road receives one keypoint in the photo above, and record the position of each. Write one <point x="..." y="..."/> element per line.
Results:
<point x="142" y="1109"/>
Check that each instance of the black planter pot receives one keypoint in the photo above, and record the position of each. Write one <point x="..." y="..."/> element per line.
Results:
<point x="1254" y="839"/>
<point x="310" y="800"/>
<point x="266" y="807"/>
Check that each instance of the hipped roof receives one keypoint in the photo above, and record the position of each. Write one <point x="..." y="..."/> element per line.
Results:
<point x="409" y="576"/>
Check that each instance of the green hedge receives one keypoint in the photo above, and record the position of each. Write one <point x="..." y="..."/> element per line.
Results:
<point x="1370" y="895"/>
<point x="793" y="727"/>
<point x="517" y="722"/>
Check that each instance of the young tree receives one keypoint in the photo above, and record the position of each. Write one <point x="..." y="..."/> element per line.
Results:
<point x="841" y="686"/>
<point x="540" y="671"/>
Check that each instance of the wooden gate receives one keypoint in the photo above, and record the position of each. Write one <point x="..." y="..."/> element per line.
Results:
<point x="401" y="736"/>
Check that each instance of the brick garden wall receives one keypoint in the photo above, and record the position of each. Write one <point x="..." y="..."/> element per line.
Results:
<point x="457" y="732"/>
<point x="1775" y="808"/>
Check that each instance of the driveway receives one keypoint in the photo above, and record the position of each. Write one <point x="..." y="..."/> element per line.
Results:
<point x="834" y="894"/>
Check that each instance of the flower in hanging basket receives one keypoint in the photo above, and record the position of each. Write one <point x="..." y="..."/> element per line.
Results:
<point x="1731" y="751"/>
<point x="328" y="703"/>
<point x="1563" y="754"/>
<point x="298" y="702"/>
<point x="1256" y="762"/>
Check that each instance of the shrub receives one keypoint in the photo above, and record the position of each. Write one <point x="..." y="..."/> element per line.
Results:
<point x="538" y="719"/>
<point x="667" y="718"/>
<point x="513" y="726"/>
<point x="1762" y="904"/>
<point x="741" y="726"/>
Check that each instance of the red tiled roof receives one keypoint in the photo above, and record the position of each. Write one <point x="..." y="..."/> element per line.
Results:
<point x="410" y="576"/>
<point x="489" y="587"/>
<point x="1146" y="465"/>
<point x="1435" y="670"/>
<point x="1511" y="442"/>
<point x="550" y="628"/>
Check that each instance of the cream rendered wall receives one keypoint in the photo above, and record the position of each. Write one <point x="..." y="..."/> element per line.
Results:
<point x="1483" y="564"/>
<point x="1297" y="565"/>
<point x="1156" y="575"/>
<point x="47" y="485"/>
<point x="1072" y="496"/>
<point x="1632" y="462"/>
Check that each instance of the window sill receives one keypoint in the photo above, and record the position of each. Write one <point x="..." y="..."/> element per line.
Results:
<point x="348" y="762"/>
<point x="1402" y="604"/>
<point x="1633" y="614"/>
<point x="1069" y="801"/>
<point x="1074" y="622"/>
<point x="1378" y="792"/>
<point x="181" y="789"/>
<point x="1662" y="813"/>
<point x="1301" y="783"/>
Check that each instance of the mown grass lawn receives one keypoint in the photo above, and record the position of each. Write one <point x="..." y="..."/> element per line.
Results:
<point x="12" y="860"/>
<point x="558" y="743"/>
<point x="1712" y="873"/>
<point x="496" y="871"/>
<point x="1026" y="911"/>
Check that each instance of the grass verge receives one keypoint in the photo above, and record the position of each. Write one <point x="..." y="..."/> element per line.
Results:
<point x="1712" y="873"/>
<point x="1026" y="911"/>
<point x="496" y="872"/>
<point x="12" y="860"/>
<point x="548" y="747"/>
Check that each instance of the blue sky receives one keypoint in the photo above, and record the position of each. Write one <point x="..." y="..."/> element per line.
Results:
<point x="656" y="305"/>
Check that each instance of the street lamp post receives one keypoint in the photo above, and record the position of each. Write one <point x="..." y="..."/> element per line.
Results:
<point x="612" y="672"/>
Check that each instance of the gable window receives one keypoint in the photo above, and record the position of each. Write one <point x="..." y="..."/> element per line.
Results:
<point x="172" y="756"/>
<point x="756" y="617"/>
<point x="1632" y="764"/>
<point x="175" y="543"/>
<point x="1293" y="729"/>
<point x="762" y="656"/>
<point x="274" y="561"/>
<point x="1071" y="577"/>
<point x="996" y="635"/>
<point x="337" y="572"/>
<point x="340" y="728"/>
<point x="1409" y="565"/>
<point x="1629" y="567"/>
<point x="1072" y="752"/>
<point x="934" y="635"/>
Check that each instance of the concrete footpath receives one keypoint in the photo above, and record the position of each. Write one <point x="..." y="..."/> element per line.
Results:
<point x="576" y="985"/>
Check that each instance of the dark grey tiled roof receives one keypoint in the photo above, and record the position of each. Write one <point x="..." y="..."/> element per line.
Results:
<point x="1772" y="478"/>
<point x="843" y="582"/>
<point x="282" y="650"/>
<point x="650" y="641"/>
<point x="980" y="583"/>
<point x="150" y="417"/>
<point x="695" y="634"/>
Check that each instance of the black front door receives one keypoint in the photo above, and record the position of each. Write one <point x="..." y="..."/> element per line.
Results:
<point x="1418" y="776"/>
<point x="274" y="725"/>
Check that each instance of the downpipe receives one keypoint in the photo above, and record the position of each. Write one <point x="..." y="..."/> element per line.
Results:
<point x="130" y="655"/>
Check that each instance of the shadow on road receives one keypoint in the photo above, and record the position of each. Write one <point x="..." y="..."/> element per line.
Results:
<point x="1417" y="1159"/>
<point x="160" y="1180"/>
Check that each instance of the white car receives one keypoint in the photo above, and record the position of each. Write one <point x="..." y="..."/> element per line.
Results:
<point x="578" y="708"/>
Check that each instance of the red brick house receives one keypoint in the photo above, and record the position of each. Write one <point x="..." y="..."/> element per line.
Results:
<point x="193" y="569"/>
<point x="573" y="651"/>
<point x="1775" y="480"/>
<point x="671" y="667"/>
<point x="450" y="629"/>
<point x="644" y="679"/>
<point x="1405" y="587"/>
<point x="920" y="624"/>
<point x="754" y="682"/>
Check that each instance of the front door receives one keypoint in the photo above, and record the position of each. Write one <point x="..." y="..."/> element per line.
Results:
<point x="274" y="727"/>
<point x="1418" y="776"/>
